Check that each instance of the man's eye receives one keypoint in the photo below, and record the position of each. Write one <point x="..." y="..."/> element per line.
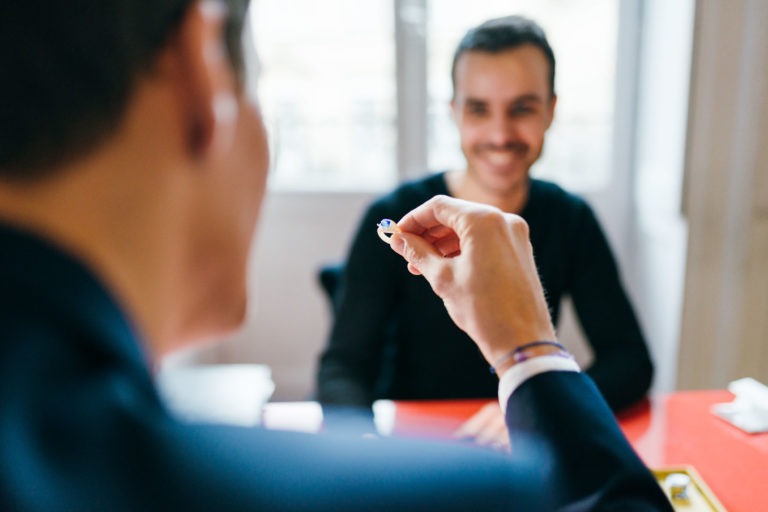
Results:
<point x="520" y="110"/>
<point x="476" y="110"/>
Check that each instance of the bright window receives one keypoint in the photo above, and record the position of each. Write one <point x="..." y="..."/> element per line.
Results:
<point x="327" y="90"/>
<point x="329" y="87"/>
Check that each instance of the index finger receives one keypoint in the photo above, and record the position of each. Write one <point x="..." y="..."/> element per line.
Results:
<point x="444" y="221"/>
<point x="433" y="216"/>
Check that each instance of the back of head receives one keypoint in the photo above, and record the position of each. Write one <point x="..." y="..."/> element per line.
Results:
<point x="69" y="69"/>
<point x="501" y="34"/>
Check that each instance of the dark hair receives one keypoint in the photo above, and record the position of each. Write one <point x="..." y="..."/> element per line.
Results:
<point x="70" y="67"/>
<point x="500" y="34"/>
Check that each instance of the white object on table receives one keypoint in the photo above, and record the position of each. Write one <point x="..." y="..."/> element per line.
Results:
<point x="749" y="410"/>
<point x="232" y="394"/>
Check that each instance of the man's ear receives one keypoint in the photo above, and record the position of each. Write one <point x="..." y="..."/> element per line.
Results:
<point x="206" y="81"/>
<point x="552" y="105"/>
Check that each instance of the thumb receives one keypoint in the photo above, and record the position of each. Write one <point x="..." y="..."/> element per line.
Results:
<point x="422" y="257"/>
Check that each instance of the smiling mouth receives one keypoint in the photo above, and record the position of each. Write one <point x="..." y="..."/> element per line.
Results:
<point x="503" y="160"/>
<point x="500" y="158"/>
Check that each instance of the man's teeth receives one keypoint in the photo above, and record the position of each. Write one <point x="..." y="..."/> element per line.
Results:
<point x="500" y="158"/>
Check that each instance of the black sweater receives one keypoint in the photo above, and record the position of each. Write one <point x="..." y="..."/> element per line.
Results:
<point x="392" y="337"/>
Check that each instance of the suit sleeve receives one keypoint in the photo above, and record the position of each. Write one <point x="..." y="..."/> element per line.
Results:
<point x="622" y="367"/>
<point x="568" y="455"/>
<point x="594" y="467"/>
<point x="367" y="298"/>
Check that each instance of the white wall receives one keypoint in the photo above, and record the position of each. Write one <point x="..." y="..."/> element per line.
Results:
<point x="724" y="325"/>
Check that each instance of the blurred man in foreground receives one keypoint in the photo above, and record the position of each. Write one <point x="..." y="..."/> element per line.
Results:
<point x="132" y="169"/>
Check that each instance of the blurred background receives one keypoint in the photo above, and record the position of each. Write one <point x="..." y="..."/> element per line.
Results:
<point x="661" y="105"/>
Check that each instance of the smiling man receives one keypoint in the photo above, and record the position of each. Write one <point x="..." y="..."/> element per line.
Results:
<point x="504" y="102"/>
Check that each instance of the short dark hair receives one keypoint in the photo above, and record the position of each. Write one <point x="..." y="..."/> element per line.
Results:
<point x="500" y="34"/>
<point x="69" y="69"/>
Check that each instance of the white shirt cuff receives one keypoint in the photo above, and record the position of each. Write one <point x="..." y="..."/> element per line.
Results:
<point x="519" y="373"/>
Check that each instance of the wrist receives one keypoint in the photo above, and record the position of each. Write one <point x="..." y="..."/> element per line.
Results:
<point x="528" y="351"/>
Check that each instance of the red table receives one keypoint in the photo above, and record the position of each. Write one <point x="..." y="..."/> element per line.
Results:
<point x="674" y="429"/>
<point x="679" y="429"/>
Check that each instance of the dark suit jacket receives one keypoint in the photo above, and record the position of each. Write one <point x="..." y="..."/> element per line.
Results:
<point x="82" y="428"/>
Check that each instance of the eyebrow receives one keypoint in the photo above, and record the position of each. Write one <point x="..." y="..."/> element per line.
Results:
<point x="525" y="98"/>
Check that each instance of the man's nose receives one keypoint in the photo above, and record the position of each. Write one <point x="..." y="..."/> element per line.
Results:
<point x="502" y="131"/>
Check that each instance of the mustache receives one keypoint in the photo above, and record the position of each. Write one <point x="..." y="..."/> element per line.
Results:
<point x="515" y="147"/>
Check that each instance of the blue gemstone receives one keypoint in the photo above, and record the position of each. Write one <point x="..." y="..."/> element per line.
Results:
<point x="386" y="223"/>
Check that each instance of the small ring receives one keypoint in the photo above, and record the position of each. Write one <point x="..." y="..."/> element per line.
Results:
<point x="385" y="229"/>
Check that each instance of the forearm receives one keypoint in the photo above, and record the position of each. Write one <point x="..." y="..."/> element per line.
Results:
<point x="623" y="375"/>
<point x="337" y="384"/>
<point x="346" y="401"/>
<point x="350" y="365"/>
<point x="594" y="465"/>
<point x="622" y="368"/>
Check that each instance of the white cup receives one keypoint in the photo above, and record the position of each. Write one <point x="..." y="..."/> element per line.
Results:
<point x="232" y="394"/>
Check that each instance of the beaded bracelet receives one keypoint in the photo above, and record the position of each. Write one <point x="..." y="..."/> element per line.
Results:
<point x="518" y="355"/>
